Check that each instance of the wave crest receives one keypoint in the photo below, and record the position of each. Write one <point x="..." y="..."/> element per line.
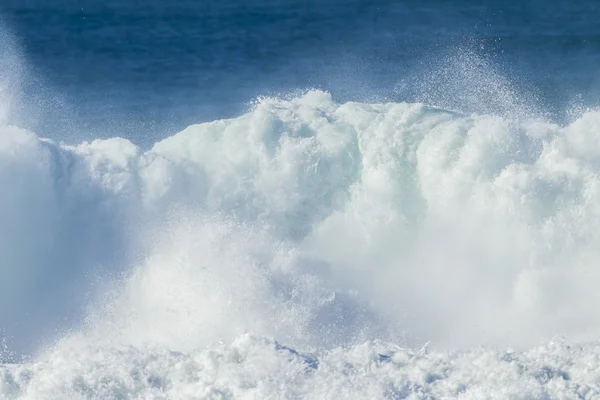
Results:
<point x="321" y="223"/>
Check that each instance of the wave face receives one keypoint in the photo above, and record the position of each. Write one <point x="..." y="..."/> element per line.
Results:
<point x="281" y="253"/>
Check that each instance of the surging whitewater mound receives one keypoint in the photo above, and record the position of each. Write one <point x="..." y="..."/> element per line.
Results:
<point x="314" y="225"/>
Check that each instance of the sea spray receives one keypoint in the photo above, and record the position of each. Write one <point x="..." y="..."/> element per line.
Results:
<point x="318" y="225"/>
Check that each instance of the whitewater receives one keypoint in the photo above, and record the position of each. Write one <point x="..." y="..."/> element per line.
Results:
<point x="305" y="249"/>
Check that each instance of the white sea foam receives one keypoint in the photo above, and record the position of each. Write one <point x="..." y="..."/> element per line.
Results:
<point x="185" y="271"/>
<point x="255" y="368"/>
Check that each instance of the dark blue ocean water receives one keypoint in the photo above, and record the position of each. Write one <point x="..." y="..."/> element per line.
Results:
<point x="146" y="69"/>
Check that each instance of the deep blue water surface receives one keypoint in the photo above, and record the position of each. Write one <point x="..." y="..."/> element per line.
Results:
<point x="146" y="69"/>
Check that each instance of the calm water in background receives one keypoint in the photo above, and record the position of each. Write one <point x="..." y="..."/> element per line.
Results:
<point x="146" y="69"/>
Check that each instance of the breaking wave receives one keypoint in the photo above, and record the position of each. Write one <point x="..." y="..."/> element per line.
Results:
<point x="290" y="251"/>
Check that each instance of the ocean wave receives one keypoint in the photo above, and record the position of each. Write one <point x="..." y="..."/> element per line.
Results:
<point x="303" y="221"/>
